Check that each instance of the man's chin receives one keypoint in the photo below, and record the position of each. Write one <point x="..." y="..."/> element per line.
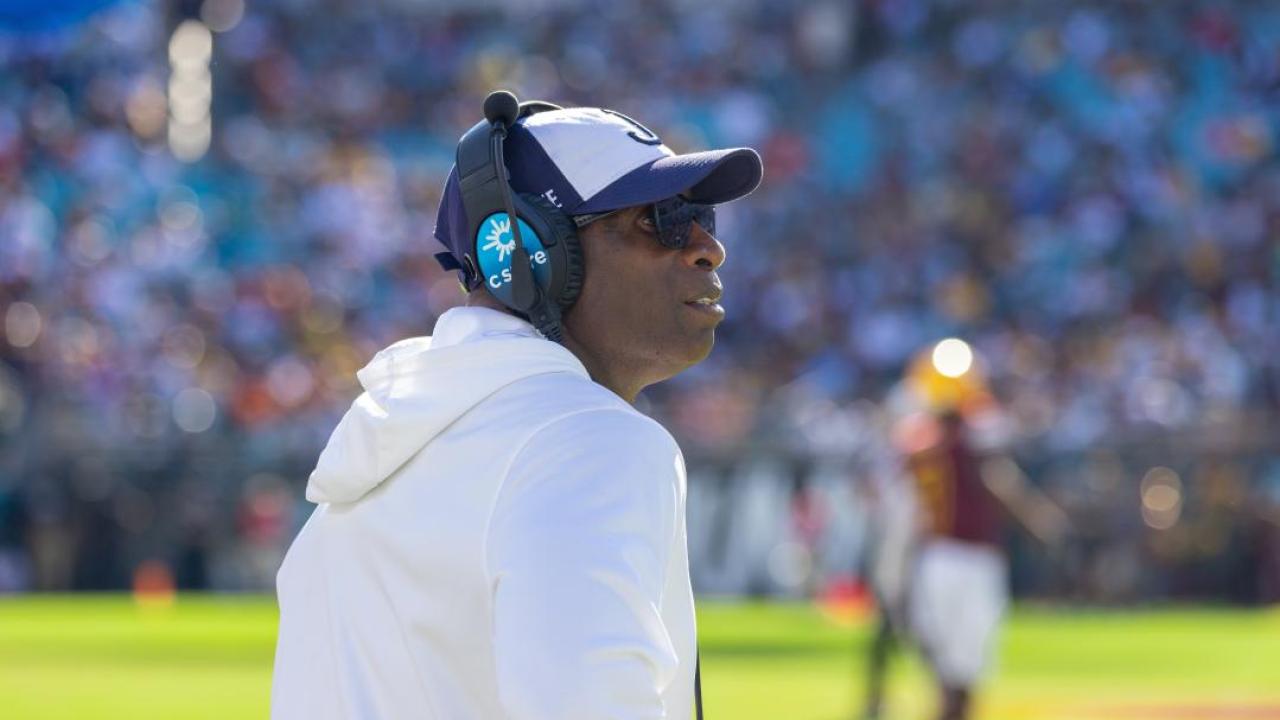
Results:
<point x="701" y="348"/>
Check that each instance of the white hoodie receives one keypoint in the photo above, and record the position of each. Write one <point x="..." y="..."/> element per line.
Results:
<point x="497" y="537"/>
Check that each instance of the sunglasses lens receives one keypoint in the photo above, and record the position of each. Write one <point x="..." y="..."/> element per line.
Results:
<point x="674" y="219"/>
<point x="705" y="215"/>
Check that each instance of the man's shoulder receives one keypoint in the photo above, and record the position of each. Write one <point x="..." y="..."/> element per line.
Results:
<point x="571" y="411"/>
<point x="592" y="407"/>
<point x="570" y="417"/>
<point x="573" y="389"/>
<point x="613" y="426"/>
<point x="551" y="396"/>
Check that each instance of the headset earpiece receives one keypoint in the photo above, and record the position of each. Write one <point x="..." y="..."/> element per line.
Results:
<point x="565" y="251"/>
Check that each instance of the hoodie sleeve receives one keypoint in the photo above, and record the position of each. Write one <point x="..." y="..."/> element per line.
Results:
<point x="579" y="544"/>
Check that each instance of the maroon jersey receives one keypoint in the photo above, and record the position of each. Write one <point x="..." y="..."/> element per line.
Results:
<point x="949" y="483"/>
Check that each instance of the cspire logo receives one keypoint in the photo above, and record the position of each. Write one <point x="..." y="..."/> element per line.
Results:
<point x="498" y="228"/>
<point x="496" y="244"/>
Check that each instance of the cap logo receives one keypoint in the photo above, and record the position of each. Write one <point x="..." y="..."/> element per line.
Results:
<point x="641" y="134"/>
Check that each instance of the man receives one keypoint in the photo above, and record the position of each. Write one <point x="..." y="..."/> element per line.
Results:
<point x="500" y="534"/>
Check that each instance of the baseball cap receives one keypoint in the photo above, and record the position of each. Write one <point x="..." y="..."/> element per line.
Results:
<point x="589" y="160"/>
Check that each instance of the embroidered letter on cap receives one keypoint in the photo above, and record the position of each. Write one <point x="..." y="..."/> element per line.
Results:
<point x="648" y="137"/>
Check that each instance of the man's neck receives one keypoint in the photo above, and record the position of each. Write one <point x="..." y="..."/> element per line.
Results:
<point x="608" y="374"/>
<point x="604" y="372"/>
<point x="480" y="298"/>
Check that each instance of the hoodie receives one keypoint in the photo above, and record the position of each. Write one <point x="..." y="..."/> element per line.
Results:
<point x="496" y="537"/>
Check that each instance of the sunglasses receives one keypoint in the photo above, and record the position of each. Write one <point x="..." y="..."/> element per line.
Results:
<point x="673" y="218"/>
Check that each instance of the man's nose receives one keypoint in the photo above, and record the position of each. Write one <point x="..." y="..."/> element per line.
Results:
<point x="704" y="250"/>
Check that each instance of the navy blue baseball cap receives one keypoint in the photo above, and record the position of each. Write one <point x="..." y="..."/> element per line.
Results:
<point x="590" y="160"/>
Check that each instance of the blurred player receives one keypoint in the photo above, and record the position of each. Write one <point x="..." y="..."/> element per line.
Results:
<point x="500" y="534"/>
<point x="958" y="589"/>
<point x="948" y="586"/>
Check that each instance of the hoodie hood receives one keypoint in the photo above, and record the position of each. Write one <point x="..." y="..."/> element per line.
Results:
<point x="416" y="388"/>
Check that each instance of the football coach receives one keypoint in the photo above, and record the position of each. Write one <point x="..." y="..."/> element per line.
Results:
<point x="500" y="534"/>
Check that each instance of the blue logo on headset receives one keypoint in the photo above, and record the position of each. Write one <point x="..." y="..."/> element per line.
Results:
<point x="495" y="244"/>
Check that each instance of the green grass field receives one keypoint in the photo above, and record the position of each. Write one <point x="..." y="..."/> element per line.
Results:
<point x="210" y="657"/>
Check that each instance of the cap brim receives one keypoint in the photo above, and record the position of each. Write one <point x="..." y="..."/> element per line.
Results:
<point x="710" y="177"/>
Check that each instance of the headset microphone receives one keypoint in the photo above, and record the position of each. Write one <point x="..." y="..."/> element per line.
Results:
<point x="524" y="249"/>
<point x="501" y="109"/>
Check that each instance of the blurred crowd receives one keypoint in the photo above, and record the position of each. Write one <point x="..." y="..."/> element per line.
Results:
<point x="1087" y="193"/>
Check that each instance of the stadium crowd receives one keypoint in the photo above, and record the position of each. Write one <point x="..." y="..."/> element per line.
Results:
<point x="1085" y="192"/>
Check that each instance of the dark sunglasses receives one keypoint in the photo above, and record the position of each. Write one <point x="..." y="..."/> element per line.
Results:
<point x="673" y="218"/>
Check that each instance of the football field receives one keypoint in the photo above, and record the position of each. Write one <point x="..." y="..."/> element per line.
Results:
<point x="210" y="657"/>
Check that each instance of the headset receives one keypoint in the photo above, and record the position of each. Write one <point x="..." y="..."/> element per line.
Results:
<point x="532" y="264"/>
